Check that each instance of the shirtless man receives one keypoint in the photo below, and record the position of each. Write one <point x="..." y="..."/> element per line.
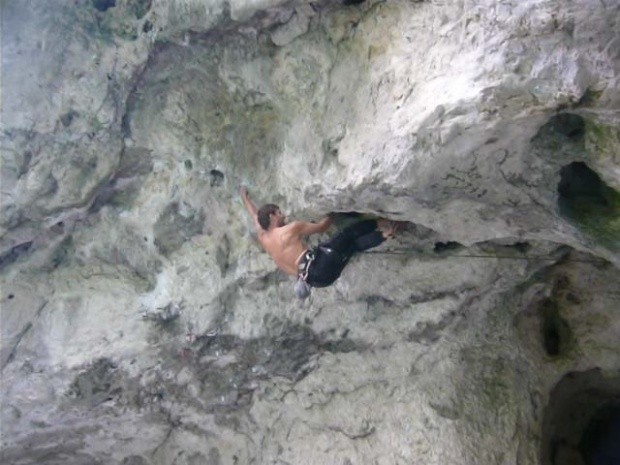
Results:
<point x="321" y="266"/>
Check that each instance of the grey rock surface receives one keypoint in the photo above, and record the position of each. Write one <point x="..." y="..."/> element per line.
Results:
<point x="141" y="322"/>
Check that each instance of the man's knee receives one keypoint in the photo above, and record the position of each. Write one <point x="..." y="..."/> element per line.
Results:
<point x="368" y="241"/>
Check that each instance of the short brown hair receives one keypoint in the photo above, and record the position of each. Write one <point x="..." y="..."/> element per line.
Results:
<point x="263" y="214"/>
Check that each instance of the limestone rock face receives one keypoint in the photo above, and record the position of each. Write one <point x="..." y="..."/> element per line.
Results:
<point x="141" y="322"/>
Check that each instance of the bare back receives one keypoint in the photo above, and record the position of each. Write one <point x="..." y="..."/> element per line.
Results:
<point x="283" y="242"/>
<point x="285" y="245"/>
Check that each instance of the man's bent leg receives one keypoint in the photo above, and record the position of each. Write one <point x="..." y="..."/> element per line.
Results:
<point x="368" y="241"/>
<point x="326" y="267"/>
<point x="345" y="241"/>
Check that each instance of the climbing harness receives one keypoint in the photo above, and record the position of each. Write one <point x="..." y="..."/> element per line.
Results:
<point x="304" y="264"/>
<point x="302" y="288"/>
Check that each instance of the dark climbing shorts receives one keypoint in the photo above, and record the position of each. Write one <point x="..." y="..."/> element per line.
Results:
<point x="321" y="266"/>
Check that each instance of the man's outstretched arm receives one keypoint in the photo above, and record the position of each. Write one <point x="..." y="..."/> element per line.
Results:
<point x="249" y="205"/>
<point x="305" y="229"/>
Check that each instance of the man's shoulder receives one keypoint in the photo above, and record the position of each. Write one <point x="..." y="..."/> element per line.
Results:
<point x="294" y="228"/>
<point x="296" y="224"/>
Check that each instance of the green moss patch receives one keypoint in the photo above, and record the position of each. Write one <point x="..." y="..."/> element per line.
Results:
<point x="590" y="204"/>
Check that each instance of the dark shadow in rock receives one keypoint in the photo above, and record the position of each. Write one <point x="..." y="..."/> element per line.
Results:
<point x="561" y="129"/>
<point x="166" y="318"/>
<point x="222" y="255"/>
<point x="600" y="444"/>
<point x="521" y="247"/>
<point x="441" y="247"/>
<point x="556" y="336"/>
<point x="176" y="224"/>
<point x="112" y="195"/>
<point x="139" y="8"/>
<point x="502" y="247"/>
<point x="378" y="306"/>
<point x="449" y="412"/>
<point x="134" y="161"/>
<point x="582" y="419"/>
<point x="578" y="180"/>
<point x="103" y="5"/>
<point x="428" y="332"/>
<point x="570" y="125"/>
<point x="10" y="257"/>
<point x="62" y="253"/>
<point x="289" y="353"/>
<point x="104" y="197"/>
<point x="586" y="201"/>
<point x="350" y="214"/>
<point x="330" y="147"/>
<point x="216" y="178"/>
<point x="215" y="458"/>
<point x="134" y="460"/>
<point x="433" y="295"/>
<point x="51" y="186"/>
<point x="98" y="383"/>
<point x="25" y="163"/>
<point x="590" y="98"/>
<point x="67" y="118"/>
<point x="556" y="333"/>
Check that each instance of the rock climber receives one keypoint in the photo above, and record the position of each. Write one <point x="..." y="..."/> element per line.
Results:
<point x="321" y="265"/>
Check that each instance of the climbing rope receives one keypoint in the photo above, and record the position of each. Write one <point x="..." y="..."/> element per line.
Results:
<point x="494" y="257"/>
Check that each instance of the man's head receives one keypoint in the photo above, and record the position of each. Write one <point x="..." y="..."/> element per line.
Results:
<point x="266" y="212"/>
